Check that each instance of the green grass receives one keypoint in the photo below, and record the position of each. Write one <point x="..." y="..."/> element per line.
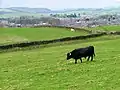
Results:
<point x="13" y="35"/>
<point x="47" y="68"/>
<point x="107" y="28"/>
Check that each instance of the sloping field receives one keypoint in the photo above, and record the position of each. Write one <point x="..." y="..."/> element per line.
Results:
<point x="14" y="35"/>
<point x="46" y="68"/>
<point x="107" y="28"/>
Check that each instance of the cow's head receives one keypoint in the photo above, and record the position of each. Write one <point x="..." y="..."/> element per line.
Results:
<point x="68" y="56"/>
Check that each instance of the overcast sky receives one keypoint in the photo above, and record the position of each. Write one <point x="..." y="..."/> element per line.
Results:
<point x="59" y="4"/>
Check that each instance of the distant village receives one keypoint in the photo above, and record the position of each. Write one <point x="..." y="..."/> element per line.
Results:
<point x="71" y="20"/>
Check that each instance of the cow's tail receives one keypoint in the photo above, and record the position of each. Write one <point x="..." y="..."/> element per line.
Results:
<point x="94" y="54"/>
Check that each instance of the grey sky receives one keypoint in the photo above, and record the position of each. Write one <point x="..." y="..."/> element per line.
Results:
<point x="59" y="4"/>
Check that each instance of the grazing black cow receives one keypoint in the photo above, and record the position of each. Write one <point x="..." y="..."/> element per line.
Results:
<point x="81" y="52"/>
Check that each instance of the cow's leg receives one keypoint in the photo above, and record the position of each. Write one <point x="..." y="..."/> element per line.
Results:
<point x="81" y="60"/>
<point x="88" y="58"/>
<point x="75" y="61"/>
<point x="91" y="57"/>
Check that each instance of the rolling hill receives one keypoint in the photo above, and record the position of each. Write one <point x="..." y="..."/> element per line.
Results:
<point x="16" y="11"/>
<point x="23" y="11"/>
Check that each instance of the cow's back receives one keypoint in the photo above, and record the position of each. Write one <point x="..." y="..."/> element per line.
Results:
<point x="77" y="53"/>
<point x="83" y="52"/>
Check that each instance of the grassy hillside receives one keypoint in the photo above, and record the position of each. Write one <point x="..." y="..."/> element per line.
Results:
<point x="22" y="11"/>
<point x="107" y="28"/>
<point x="13" y="11"/>
<point x="47" y="68"/>
<point x="13" y="35"/>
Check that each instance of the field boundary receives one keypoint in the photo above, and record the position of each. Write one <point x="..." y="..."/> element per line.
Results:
<point x="81" y="29"/>
<point x="67" y="27"/>
<point x="43" y="42"/>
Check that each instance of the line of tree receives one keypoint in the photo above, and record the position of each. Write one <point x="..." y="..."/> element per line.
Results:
<point x="72" y="15"/>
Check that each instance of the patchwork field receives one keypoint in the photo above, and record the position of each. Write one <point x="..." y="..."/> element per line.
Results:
<point x="46" y="68"/>
<point x="14" y="35"/>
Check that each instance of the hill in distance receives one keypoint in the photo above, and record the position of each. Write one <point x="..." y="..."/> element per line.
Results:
<point x="29" y="11"/>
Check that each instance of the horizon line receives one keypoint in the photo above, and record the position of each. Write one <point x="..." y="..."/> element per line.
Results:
<point x="62" y="8"/>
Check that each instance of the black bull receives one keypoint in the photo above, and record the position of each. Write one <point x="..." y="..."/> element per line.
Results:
<point x="81" y="52"/>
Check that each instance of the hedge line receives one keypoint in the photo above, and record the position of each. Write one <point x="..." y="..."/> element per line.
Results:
<point x="114" y="32"/>
<point x="33" y="43"/>
<point x="109" y="32"/>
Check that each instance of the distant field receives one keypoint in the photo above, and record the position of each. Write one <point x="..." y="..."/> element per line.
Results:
<point x="21" y="14"/>
<point x="6" y="10"/>
<point x="13" y="35"/>
<point x="107" y="28"/>
<point x="48" y="69"/>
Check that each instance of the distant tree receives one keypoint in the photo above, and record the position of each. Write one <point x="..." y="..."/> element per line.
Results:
<point x="79" y="14"/>
<point x="74" y="15"/>
<point x="87" y="19"/>
<point x="108" y="19"/>
<point x="65" y="15"/>
<point x="51" y="15"/>
<point x="113" y="18"/>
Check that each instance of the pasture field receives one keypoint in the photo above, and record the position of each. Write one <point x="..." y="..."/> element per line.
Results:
<point x="106" y="28"/>
<point x="14" y="35"/>
<point x="46" y="68"/>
